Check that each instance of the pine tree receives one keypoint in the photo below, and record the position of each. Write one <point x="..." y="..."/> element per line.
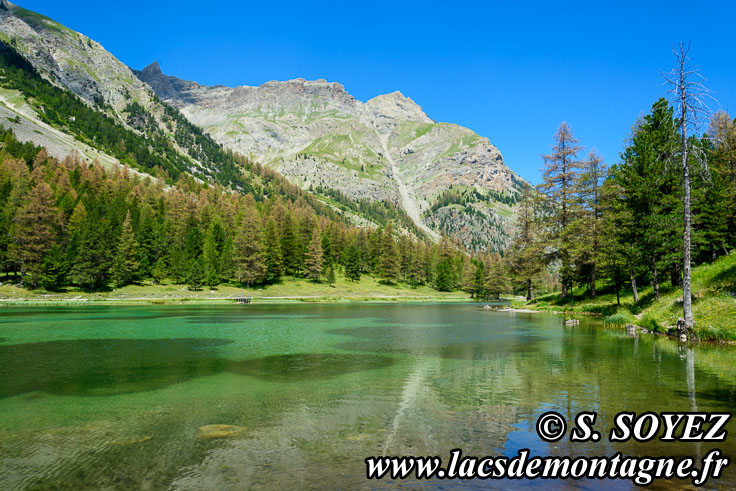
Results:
<point x="91" y="267"/>
<point x="389" y="258"/>
<point x="194" y="241"/>
<point x="34" y="233"/>
<point x="178" y="263"/>
<point x="54" y="269"/>
<point x="159" y="271"/>
<point x="444" y="279"/>
<point x="125" y="266"/>
<point x="648" y="213"/>
<point x="212" y="249"/>
<point x="443" y="276"/>
<point x="226" y="266"/>
<point x="479" y="280"/>
<point x="352" y="263"/>
<point x="212" y="279"/>
<point x="196" y="277"/>
<point x="289" y="246"/>
<point x="314" y="260"/>
<point x="327" y="248"/>
<point x="330" y="274"/>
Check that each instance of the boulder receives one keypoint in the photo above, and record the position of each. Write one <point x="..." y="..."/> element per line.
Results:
<point x="210" y="432"/>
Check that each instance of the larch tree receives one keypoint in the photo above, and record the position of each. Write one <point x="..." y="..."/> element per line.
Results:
<point x="250" y="260"/>
<point x="314" y="260"/>
<point x="526" y="257"/>
<point x="272" y="247"/>
<point x="34" y="232"/>
<point x="496" y="279"/>
<point x="590" y="182"/>
<point x="561" y="188"/>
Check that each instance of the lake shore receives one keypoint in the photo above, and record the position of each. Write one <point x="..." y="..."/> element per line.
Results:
<point x="291" y="290"/>
<point x="226" y="300"/>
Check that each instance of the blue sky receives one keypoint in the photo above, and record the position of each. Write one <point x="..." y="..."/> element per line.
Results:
<point x="511" y="71"/>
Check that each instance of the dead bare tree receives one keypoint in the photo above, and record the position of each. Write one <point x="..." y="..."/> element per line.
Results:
<point x="688" y="94"/>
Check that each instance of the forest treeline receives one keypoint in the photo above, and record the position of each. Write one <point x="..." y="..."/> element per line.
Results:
<point x="623" y="225"/>
<point x="71" y="223"/>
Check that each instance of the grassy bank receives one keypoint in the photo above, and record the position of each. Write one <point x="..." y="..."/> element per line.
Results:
<point x="714" y="303"/>
<point x="289" y="290"/>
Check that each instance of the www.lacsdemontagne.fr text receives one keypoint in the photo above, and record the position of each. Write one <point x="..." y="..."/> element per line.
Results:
<point x="641" y="471"/>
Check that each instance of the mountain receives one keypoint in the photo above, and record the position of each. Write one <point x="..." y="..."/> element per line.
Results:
<point x="62" y="90"/>
<point x="374" y="162"/>
<point x="447" y="178"/>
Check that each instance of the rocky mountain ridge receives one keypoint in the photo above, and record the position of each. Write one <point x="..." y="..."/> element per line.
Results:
<point x="317" y="134"/>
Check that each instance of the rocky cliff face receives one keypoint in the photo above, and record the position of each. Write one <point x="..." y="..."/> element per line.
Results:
<point x="70" y="59"/>
<point x="74" y="62"/>
<point x="317" y="134"/>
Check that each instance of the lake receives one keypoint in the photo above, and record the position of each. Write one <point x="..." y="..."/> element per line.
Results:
<point x="124" y="397"/>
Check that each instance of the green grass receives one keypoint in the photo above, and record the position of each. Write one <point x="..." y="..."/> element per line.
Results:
<point x="714" y="303"/>
<point x="619" y="319"/>
<point x="289" y="290"/>
<point x="409" y="131"/>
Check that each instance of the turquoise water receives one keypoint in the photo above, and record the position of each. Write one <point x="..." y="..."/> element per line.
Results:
<point x="115" y="397"/>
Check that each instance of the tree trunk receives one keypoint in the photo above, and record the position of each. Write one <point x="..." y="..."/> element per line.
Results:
<point x="655" y="280"/>
<point x="687" y="299"/>
<point x="592" y="284"/>
<point x="529" y="290"/>
<point x="564" y="289"/>
<point x="633" y="288"/>
<point x="618" y="287"/>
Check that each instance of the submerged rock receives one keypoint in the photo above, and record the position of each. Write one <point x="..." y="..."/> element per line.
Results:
<point x="132" y="440"/>
<point x="210" y="432"/>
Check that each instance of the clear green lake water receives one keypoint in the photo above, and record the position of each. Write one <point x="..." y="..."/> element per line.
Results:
<point x="113" y="397"/>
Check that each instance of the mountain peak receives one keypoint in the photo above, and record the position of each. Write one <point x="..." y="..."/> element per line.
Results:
<point x="154" y="69"/>
<point x="398" y="106"/>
